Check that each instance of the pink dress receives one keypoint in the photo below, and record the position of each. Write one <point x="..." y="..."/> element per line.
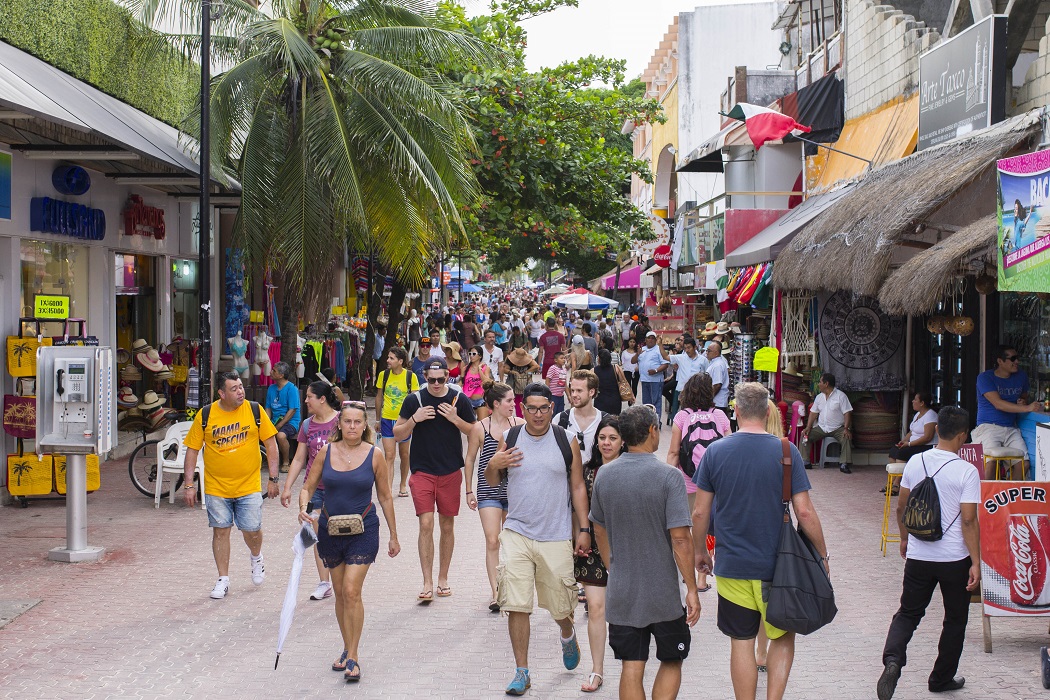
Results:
<point x="682" y="419"/>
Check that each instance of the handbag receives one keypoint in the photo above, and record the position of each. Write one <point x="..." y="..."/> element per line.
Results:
<point x="29" y="475"/>
<point x="341" y="525"/>
<point x="21" y="351"/>
<point x="20" y="416"/>
<point x="624" y="386"/>
<point x="78" y="338"/>
<point x="801" y="598"/>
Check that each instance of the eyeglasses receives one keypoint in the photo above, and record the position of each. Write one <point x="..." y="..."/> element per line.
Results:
<point x="1011" y="358"/>
<point x="436" y="380"/>
<point x="537" y="410"/>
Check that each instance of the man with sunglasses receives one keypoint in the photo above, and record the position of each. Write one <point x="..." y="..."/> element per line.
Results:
<point x="536" y="545"/>
<point x="1002" y="393"/>
<point x="435" y="417"/>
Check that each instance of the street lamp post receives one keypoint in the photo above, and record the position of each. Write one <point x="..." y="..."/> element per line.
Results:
<point x="204" y="238"/>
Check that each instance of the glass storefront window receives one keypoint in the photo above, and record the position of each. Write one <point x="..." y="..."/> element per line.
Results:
<point x="185" y="312"/>
<point x="136" y="313"/>
<point x="54" y="268"/>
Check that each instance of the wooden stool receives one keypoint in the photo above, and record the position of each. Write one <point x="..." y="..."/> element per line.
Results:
<point x="1004" y="459"/>
<point x="893" y="474"/>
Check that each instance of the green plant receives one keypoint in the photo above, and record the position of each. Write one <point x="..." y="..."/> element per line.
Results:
<point x="96" y="41"/>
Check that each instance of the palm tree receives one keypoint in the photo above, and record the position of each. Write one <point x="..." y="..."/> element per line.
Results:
<point x="20" y="348"/>
<point x="333" y="117"/>
<point x="20" y="468"/>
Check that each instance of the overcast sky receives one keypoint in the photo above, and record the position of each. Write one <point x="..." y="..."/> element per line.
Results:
<point x="628" y="29"/>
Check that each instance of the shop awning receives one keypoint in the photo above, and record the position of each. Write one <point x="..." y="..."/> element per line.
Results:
<point x="883" y="136"/>
<point x="630" y="278"/>
<point x="707" y="157"/>
<point x="917" y="285"/>
<point x="767" y="244"/>
<point x="30" y="86"/>
<point x="850" y="245"/>
<point x="655" y="269"/>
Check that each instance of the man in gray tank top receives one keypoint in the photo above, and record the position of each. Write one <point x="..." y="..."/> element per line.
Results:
<point x="545" y="482"/>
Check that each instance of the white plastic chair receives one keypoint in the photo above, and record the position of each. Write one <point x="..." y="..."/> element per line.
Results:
<point x="825" y="452"/>
<point x="176" y="437"/>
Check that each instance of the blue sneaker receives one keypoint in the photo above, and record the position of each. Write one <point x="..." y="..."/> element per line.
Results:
<point x="521" y="682"/>
<point x="570" y="653"/>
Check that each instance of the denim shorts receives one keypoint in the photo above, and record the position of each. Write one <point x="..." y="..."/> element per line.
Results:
<point x="386" y="429"/>
<point x="244" y="512"/>
<point x="478" y="402"/>
<point x="317" y="500"/>
<point x="492" y="503"/>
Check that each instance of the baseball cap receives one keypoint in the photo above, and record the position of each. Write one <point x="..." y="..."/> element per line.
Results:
<point x="577" y="340"/>
<point x="436" y="363"/>
<point x="651" y="334"/>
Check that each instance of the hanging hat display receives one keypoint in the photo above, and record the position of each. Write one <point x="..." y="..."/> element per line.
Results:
<point x="151" y="401"/>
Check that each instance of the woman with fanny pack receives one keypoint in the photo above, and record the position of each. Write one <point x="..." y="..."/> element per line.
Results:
<point x="348" y="527"/>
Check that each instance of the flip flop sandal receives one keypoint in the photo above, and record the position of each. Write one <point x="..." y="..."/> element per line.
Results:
<point x="402" y="494"/>
<point x="340" y="665"/>
<point x="590" y="681"/>
<point x="444" y="591"/>
<point x="350" y="666"/>
<point x="426" y="597"/>
<point x="705" y="589"/>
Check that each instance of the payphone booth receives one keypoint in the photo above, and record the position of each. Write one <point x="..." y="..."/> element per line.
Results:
<point x="75" y="418"/>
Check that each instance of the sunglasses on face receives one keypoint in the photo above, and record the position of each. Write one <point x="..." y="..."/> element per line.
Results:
<point x="1011" y="358"/>
<point x="436" y="380"/>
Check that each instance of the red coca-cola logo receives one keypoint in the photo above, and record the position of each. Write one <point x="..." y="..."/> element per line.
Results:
<point x="662" y="256"/>
<point x="1025" y="565"/>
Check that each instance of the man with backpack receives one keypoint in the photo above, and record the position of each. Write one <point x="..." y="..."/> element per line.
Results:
<point x="230" y="431"/>
<point x="940" y="543"/>
<point x="582" y="419"/>
<point x="544" y="484"/>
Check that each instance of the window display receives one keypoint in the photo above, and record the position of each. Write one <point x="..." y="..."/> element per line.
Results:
<point x="54" y="268"/>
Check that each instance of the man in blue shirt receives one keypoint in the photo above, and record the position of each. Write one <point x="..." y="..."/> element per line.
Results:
<point x="1002" y="393"/>
<point x="282" y="406"/>
<point x="652" y="361"/>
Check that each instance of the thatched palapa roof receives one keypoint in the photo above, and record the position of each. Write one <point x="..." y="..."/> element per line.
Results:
<point x="850" y="245"/>
<point x="916" y="287"/>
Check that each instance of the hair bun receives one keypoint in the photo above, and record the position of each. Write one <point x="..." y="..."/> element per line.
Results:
<point x="486" y="385"/>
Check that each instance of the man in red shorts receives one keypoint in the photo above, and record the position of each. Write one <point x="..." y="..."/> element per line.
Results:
<point x="435" y="417"/>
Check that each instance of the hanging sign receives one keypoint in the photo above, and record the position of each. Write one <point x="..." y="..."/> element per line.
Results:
<point x="51" y="307"/>
<point x="1024" y="238"/>
<point x="662" y="256"/>
<point x="141" y="220"/>
<point x="446" y="277"/>
<point x="1015" y="548"/>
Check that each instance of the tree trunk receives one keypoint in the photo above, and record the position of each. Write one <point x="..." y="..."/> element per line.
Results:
<point x="397" y="298"/>
<point x="290" y="303"/>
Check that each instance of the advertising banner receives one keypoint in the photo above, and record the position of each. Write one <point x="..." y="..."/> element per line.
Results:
<point x="1015" y="548"/>
<point x="1024" y="238"/>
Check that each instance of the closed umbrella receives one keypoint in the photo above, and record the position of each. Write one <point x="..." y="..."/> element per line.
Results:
<point x="584" y="302"/>
<point x="305" y="539"/>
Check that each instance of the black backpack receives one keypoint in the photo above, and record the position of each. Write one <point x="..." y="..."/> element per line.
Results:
<point x="698" y="422"/>
<point x="560" y="436"/>
<point x="922" y="513"/>
<point x="563" y="422"/>
<point x="256" y="414"/>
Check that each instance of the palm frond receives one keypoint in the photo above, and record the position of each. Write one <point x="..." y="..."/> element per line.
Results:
<point x="421" y="45"/>
<point x="280" y="38"/>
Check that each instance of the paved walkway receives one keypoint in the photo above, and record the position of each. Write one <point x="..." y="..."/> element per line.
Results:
<point x="141" y="624"/>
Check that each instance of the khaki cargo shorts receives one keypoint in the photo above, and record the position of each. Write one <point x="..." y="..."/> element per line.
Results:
<point x="544" y="567"/>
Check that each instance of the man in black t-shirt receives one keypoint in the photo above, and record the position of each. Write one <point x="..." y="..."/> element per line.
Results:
<point x="435" y="417"/>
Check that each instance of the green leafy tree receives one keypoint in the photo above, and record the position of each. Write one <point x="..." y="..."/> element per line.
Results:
<point x="554" y="167"/>
<point x="334" y="119"/>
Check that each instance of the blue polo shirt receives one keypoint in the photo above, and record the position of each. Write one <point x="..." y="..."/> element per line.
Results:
<point x="650" y="358"/>
<point x="1010" y="389"/>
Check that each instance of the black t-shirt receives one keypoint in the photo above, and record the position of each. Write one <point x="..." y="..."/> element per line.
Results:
<point x="437" y="447"/>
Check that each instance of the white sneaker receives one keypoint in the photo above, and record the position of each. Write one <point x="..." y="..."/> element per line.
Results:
<point x="222" y="586"/>
<point x="258" y="570"/>
<point x="323" y="590"/>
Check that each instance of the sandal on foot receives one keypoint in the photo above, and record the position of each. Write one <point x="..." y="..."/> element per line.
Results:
<point x="340" y="663"/>
<point x="705" y="589"/>
<point x="592" y="686"/>
<point x="444" y="591"/>
<point x="402" y="494"/>
<point x="351" y="666"/>
<point x="426" y="596"/>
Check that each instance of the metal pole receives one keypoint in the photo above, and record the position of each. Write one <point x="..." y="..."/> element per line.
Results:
<point x="204" y="240"/>
<point x="76" y="549"/>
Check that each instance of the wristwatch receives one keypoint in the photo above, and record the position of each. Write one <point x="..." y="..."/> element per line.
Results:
<point x="587" y="530"/>
<point x="275" y="480"/>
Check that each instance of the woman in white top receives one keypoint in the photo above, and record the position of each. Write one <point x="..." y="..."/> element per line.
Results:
<point x="921" y="432"/>
<point x="536" y="328"/>
<point x="629" y="363"/>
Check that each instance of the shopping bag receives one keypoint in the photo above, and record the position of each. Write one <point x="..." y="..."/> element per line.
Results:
<point x="20" y="416"/>
<point x="21" y="350"/>
<point x="801" y="598"/>
<point x="29" y="475"/>
<point x="74" y="332"/>
<point x="94" y="475"/>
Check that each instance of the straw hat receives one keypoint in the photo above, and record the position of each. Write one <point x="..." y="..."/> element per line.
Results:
<point x="123" y="356"/>
<point x="126" y="398"/>
<point x="519" y="357"/>
<point x="140" y="345"/>
<point x="150" y="360"/>
<point x="792" y="368"/>
<point x="151" y="401"/>
<point x="130" y="373"/>
<point x="452" y="349"/>
<point x="721" y="328"/>
<point x="709" y="329"/>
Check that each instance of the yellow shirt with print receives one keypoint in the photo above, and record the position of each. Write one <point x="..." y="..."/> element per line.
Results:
<point x="395" y="390"/>
<point x="231" y="449"/>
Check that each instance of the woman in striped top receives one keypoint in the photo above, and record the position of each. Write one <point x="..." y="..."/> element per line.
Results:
<point x="490" y="502"/>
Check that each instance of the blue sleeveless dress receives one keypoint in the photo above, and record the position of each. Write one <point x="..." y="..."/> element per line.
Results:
<point x="346" y="493"/>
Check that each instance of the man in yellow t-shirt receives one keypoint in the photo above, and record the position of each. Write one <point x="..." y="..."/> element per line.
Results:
<point x="394" y="384"/>
<point x="230" y="440"/>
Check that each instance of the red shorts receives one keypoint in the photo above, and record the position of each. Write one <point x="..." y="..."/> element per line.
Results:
<point x="429" y="491"/>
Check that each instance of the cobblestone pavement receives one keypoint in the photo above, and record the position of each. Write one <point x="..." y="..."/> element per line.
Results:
<point x="140" y="624"/>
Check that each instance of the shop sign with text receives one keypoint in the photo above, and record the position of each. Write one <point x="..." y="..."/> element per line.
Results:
<point x="141" y="220"/>
<point x="51" y="307"/>
<point x="1023" y="237"/>
<point x="66" y="219"/>
<point x="1015" y="548"/>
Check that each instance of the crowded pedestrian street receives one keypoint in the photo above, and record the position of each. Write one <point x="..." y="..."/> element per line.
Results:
<point x="140" y="624"/>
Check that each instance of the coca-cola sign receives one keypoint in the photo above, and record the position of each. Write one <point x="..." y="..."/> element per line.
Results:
<point x="1022" y="587"/>
<point x="1014" y="518"/>
<point x="662" y="256"/>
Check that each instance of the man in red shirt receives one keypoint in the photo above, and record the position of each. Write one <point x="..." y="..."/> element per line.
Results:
<point x="551" y="342"/>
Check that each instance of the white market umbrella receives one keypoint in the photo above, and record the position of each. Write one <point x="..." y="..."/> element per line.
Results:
<point x="555" y="290"/>
<point x="305" y="539"/>
<point x="584" y="302"/>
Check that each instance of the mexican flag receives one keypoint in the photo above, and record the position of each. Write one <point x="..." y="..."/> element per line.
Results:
<point x="765" y="125"/>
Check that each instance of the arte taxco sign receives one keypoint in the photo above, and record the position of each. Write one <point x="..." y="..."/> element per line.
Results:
<point x="662" y="256"/>
<point x="962" y="83"/>
<point x="141" y="220"/>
